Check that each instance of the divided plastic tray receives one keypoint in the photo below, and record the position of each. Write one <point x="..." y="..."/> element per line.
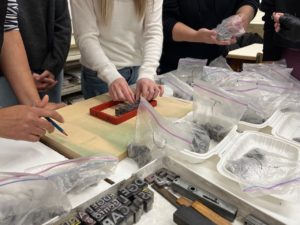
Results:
<point x="287" y="127"/>
<point x="235" y="145"/>
<point x="244" y="126"/>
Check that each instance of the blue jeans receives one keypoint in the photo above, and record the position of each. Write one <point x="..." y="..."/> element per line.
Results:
<point x="92" y="86"/>
<point x="55" y="93"/>
<point x="8" y="97"/>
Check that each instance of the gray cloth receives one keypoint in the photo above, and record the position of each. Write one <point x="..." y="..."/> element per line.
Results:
<point x="45" y="27"/>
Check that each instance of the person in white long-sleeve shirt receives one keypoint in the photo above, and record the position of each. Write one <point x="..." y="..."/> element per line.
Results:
<point x="120" y="42"/>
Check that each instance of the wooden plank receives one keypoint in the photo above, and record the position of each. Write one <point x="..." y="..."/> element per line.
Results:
<point x="89" y="135"/>
<point x="246" y="53"/>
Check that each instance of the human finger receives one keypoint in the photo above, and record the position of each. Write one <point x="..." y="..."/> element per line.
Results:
<point x="50" y="113"/>
<point x="151" y="92"/>
<point x="43" y="102"/>
<point x="129" y="95"/>
<point x="38" y="131"/>
<point x="31" y="138"/>
<point x="162" y="90"/>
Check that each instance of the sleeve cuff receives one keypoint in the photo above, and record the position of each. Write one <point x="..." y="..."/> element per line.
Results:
<point x="147" y="73"/>
<point x="109" y="74"/>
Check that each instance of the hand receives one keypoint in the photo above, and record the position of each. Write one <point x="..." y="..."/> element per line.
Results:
<point x="44" y="103"/>
<point x="120" y="91"/>
<point x="276" y="17"/>
<point x="206" y="36"/>
<point x="45" y="81"/>
<point x="26" y="122"/>
<point x="148" y="89"/>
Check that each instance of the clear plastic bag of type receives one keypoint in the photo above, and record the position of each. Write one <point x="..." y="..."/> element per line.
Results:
<point x="220" y="62"/>
<point x="77" y="174"/>
<point x="189" y="70"/>
<point x="217" y="110"/>
<point x="262" y="172"/>
<point x="180" y="89"/>
<point x="156" y="135"/>
<point x="272" y="71"/>
<point x="263" y="98"/>
<point x="30" y="199"/>
<point x="217" y="76"/>
<point x="230" y="27"/>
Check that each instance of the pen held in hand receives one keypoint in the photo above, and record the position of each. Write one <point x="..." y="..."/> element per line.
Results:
<point x="56" y="126"/>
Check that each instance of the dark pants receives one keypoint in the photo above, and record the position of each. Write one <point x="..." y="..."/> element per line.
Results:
<point x="92" y="86"/>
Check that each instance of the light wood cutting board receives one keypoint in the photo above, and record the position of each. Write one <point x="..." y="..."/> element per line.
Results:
<point x="89" y="135"/>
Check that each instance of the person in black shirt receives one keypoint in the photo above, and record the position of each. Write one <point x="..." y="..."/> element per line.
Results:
<point x="20" y="122"/>
<point x="188" y="28"/>
<point x="288" y="26"/>
<point x="282" y="44"/>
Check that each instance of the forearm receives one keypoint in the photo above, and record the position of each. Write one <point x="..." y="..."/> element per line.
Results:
<point x="247" y="14"/>
<point x="14" y="65"/>
<point x="153" y="40"/>
<point x="182" y="32"/>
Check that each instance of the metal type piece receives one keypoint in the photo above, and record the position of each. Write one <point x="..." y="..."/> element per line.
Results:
<point x="161" y="182"/>
<point x="85" y="218"/>
<point x="148" y="198"/>
<point x="201" y="139"/>
<point x="221" y="207"/>
<point x="137" y="212"/>
<point x="125" y="201"/>
<point x="117" y="217"/>
<point x="72" y="221"/>
<point x="296" y="139"/>
<point x="125" y="108"/>
<point x="162" y="172"/>
<point x="125" y="192"/>
<point x="141" y="154"/>
<point x="150" y="179"/>
<point x="215" y="131"/>
<point x="127" y="213"/>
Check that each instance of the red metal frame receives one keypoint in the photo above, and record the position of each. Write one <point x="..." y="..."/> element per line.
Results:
<point x="97" y="111"/>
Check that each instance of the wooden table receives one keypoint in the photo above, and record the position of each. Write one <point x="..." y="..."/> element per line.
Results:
<point x="89" y="135"/>
<point x="249" y="54"/>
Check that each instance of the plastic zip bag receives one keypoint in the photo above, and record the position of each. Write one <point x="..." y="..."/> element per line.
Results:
<point x="261" y="172"/>
<point x="29" y="199"/>
<point x="218" y="76"/>
<point x="230" y="27"/>
<point x="180" y="89"/>
<point x="263" y="98"/>
<point x="189" y="70"/>
<point x="77" y="174"/>
<point x="220" y="62"/>
<point x="155" y="135"/>
<point x="217" y="110"/>
<point x="272" y="72"/>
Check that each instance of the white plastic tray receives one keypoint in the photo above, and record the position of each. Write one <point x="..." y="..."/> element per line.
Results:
<point x="244" y="142"/>
<point x="287" y="127"/>
<point x="214" y="147"/>
<point x="244" y="126"/>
